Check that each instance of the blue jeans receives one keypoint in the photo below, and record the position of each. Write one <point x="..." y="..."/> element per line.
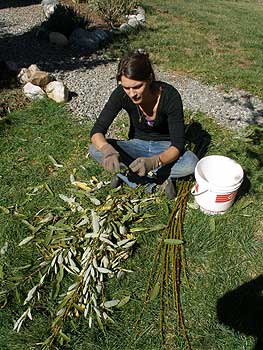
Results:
<point x="134" y="148"/>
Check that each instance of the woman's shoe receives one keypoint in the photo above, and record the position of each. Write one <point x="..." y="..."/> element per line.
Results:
<point x="115" y="181"/>
<point x="170" y="190"/>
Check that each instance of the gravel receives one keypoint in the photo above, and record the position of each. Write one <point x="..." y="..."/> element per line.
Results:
<point x="91" y="78"/>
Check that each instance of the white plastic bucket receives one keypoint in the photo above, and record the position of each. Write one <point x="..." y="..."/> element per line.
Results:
<point x="218" y="179"/>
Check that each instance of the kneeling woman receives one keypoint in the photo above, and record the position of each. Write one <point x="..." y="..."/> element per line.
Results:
<point x="156" y="140"/>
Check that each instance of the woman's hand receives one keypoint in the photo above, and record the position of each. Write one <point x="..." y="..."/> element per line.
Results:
<point x="110" y="158"/>
<point x="143" y="165"/>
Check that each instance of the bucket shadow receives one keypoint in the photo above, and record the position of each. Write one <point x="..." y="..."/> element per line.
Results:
<point x="242" y="310"/>
<point x="243" y="189"/>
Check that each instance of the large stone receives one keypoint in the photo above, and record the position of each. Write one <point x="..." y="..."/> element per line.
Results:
<point x="140" y="10"/>
<point x="25" y="74"/>
<point x="84" y="39"/>
<point x="40" y="78"/>
<point x="140" y="17"/>
<point x="49" y="6"/>
<point x="134" y="23"/>
<point x="131" y="17"/>
<point x="33" y="68"/>
<point x="124" y="27"/>
<point x="58" y="39"/>
<point x="57" y="91"/>
<point x="33" y="92"/>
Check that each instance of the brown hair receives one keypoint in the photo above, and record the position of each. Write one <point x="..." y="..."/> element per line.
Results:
<point x="136" y="65"/>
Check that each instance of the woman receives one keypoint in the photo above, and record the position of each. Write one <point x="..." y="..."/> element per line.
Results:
<point x="156" y="136"/>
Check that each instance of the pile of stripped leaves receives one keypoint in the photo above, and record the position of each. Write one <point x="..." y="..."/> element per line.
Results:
<point x="85" y="242"/>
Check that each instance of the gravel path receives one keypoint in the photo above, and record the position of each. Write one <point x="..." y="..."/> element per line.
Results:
<point x="91" y="79"/>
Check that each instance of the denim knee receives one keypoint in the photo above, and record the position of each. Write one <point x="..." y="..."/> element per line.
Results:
<point x="185" y="165"/>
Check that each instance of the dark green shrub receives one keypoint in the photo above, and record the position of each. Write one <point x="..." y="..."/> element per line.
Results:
<point x="64" y="20"/>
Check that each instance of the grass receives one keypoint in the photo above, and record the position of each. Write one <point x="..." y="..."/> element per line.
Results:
<point x="217" y="41"/>
<point x="206" y="39"/>
<point x="223" y="252"/>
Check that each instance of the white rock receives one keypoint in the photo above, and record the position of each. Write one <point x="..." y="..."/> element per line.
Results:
<point x="133" y="22"/>
<point x="124" y="27"/>
<point x="57" y="91"/>
<point x="33" y="92"/>
<point x="49" y="6"/>
<point x="140" y="17"/>
<point x="33" y="68"/>
<point x="140" y="10"/>
<point x="23" y="76"/>
<point x="131" y="17"/>
<point x="58" y="39"/>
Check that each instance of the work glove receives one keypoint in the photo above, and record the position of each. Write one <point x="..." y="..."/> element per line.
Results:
<point x="110" y="160"/>
<point x="143" y="165"/>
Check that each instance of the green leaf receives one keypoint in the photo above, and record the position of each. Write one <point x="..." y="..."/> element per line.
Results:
<point x="123" y="301"/>
<point x="212" y="224"/>
<point x="103" y="270"/>
<point x="94" y="200"/>
<point x="54" y="162"/>
<point x="17" y="295"/>
<point x="64" y="336"/>
<point x="155" y="291"/>
<point x="166" y="208"/>
<point x="31" y="227"/>
<point x="49" y="190"/>
<point x="246" y="204"/>
<point x="139" y="229"/>
<point x="193" y="205"/>
<point x="111" y="303"/>
<point x="158" y="227"/>
<point x="25" y="240"/>
<point x="100" y="324"/>
<point x="173" y="241"/>
<point x="4" y="209"/>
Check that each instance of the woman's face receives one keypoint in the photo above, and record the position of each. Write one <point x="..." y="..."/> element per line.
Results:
<point x="137" y="90"/>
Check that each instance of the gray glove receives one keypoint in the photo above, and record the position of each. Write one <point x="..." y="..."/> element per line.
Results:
<point x="143" y="165"/>
<point x="110" y="160"/>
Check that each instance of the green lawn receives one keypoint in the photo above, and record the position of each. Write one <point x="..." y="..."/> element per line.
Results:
<point x="218" y="41"/>
<point x="222" y="252"/>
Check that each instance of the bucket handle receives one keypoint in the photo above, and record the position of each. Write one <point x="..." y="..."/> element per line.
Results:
<point x="197" y="194"/>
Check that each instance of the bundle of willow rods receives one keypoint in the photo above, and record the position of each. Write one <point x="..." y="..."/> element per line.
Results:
<point x="168" y="265"/>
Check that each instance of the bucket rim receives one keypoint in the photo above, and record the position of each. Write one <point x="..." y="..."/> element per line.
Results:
<point x="215" y="186"/>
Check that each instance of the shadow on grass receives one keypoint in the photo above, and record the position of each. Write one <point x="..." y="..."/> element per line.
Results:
<point x="246" y="101"/>
<point x="242" y="310"/>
